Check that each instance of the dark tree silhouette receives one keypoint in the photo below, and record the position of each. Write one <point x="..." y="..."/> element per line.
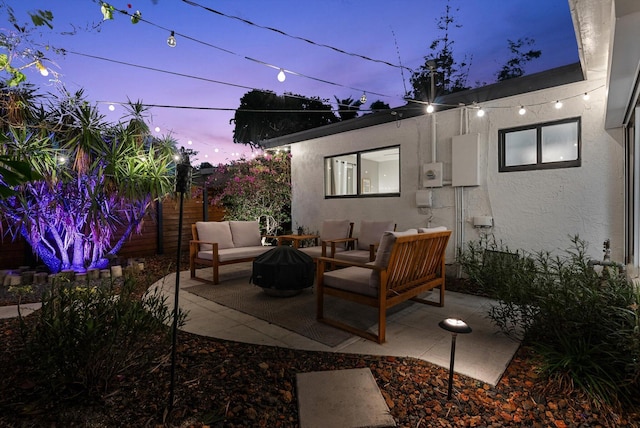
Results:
<point x="379" y="105"/>
<point x="450" y="75"/>
<point x="515" y="66"/>
<point x="348" y="108"/>
<point x="263" y="115"/>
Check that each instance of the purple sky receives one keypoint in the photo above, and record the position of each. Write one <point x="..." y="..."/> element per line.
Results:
<point x="390" y="30"/>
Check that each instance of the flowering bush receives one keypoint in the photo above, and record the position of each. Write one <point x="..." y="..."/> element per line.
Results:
<point x="257" y="189"/>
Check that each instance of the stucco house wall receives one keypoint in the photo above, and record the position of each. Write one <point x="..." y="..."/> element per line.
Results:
<point x="532" y="210"/>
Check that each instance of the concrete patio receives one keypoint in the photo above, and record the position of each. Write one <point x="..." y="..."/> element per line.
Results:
<point x="414" y="332"/>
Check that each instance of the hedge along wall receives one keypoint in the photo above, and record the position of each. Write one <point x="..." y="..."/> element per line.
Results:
<point x="157" y="236"/>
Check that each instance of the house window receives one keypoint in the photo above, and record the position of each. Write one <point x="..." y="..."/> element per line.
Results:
<point x="363" y="174"/>
<point x="542" y="146"/>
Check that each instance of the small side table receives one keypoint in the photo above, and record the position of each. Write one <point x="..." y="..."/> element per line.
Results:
<point x="295" y="239"/>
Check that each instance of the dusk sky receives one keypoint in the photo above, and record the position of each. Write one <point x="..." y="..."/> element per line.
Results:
<point x="218" y="59"/>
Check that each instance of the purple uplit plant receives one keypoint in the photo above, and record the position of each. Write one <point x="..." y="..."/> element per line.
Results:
<point x="98" y="181"/>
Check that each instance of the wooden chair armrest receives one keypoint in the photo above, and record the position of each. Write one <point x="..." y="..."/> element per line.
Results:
<point x="346" y="263"/>
<point x="373" y="249"/>
<point x="194" y="246"/>
<point x="333" y="242"/>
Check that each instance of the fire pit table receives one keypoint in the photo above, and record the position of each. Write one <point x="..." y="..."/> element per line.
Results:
<point x="283" y="271"/>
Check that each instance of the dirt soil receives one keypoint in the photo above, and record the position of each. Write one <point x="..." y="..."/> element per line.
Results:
<point x="221" y="383"/>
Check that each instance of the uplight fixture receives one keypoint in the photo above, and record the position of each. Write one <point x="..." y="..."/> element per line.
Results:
<point x="281" y="76"/>
<point x="522" y="111"/>
<point x="430" y="108"/>
<point x="171" y="41"/>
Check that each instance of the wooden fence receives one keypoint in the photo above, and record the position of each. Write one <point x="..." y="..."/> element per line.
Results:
<point x="159" y="234"/>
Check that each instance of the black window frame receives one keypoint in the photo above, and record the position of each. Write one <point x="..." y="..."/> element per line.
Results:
<point x="359" y="193"/>
<point x="539" y="165"/>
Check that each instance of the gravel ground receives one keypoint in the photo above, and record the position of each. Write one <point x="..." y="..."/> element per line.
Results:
<point x="222" y="383"/>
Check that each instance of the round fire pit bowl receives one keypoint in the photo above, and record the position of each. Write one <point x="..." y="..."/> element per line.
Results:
<point x="283" y="271"/>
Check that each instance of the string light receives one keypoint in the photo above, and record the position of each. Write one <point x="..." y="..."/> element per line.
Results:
<point x="282" y="33"/>
<point x="124" y="12"/>
<point x="281" y="76"/>
<point x="480" y="112"/>
<point x="522" y="111"/>
<point x="363" y="98"/>
<point x="171" y="41"/>
<point x="558" y="105"/>
<point x="112" y="107"/>
<point x="585" y="96"/>
<point x="430" y="108"/>
<point x="43" y="70"/>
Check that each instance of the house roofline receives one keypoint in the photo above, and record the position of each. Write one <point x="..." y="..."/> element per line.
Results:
<point x="559" y="76"/>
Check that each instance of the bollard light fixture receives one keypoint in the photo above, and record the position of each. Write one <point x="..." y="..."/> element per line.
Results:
<point x="455" y="326"/>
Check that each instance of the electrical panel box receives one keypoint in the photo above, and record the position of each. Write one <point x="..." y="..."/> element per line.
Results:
<point x="431" y="174"/>
<point x="424" y="199"/>
<point x="465" y="160"/>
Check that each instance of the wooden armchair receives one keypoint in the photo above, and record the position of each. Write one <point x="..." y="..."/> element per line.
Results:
<point x="332" y="230"/>
<point x="364" y="247"/>
<point x="407" y="264"/>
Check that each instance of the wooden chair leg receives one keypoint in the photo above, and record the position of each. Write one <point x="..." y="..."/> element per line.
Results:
<point x="382" y="324"/>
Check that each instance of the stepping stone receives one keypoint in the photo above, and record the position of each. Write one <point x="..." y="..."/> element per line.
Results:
<point x="341" y="399"/>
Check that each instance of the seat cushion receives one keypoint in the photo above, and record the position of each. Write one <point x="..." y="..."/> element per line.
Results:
<point x="371" y="232"/>
<point x="245" y="233"/>
<point x="356" y="256"/>
<point x="432" y="229"/>
<point x="355" y="279"/>
<point x="214" y="231"/>
<point x="384" y="253"/>
<point x="229" y="254"/>
<point x="316" y="251"/>
<point x="335" y="229"/>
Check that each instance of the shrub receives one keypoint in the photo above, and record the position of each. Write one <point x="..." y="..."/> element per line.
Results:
<point x="85" y="335"/>
<point x="583" y="323"/>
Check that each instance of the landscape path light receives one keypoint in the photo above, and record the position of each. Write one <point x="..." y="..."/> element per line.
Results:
<point x="455" y="326"/>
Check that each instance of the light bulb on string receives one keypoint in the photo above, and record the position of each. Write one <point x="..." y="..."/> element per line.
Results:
<point x="430" y="108"/>
<point x="171" y="41"/>
<point x="281" y="75"/>
<point x="558" y="104"/>
<point x="42" y="69"/>
<point x="112" y="107"/>
<point x="363" y="98"/>
<point x="480" y="112"/>
<point x="522" y="111"/>
<point x="585" y="96"/>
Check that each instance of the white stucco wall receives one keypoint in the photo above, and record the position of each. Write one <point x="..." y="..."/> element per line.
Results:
<point x="532" y="210"/>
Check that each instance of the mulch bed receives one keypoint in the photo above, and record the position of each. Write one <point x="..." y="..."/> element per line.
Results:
<point x="222" y="383"/>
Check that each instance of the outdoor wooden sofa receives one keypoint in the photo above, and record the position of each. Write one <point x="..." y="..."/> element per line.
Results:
<point x="407" y="265"/>
<point x="217" y="243"/>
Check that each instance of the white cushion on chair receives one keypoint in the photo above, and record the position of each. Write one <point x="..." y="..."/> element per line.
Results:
<point x="352" y="278"/>
<point x="432" y="229"/>
<point x="214" y="231"/>
<point x="334" y="229"/>
<point x="245" y="233"/>
<point x="384" y="252"/>
<point x="371" y="232"/>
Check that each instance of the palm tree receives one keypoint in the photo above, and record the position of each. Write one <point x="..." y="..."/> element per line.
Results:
<point x="96" y="178"/>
